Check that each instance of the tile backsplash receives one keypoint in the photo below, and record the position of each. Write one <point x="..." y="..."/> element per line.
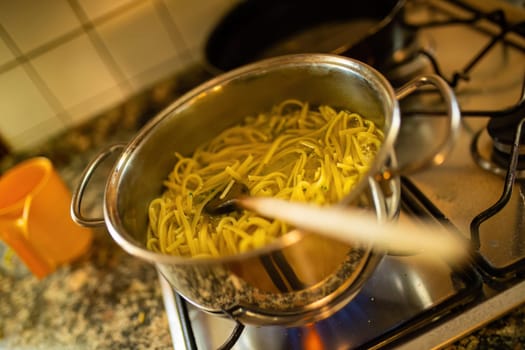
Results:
<point x="65" y="61"/>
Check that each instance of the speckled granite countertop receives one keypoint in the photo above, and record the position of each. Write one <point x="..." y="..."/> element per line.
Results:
<point x="108" y="299"/>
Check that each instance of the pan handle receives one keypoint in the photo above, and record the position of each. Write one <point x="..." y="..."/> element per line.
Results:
<point x="76" y="201"/>
<point x="453" y="114"/>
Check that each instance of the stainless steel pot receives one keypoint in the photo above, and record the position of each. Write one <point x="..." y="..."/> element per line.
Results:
<point x="301" y="277"/>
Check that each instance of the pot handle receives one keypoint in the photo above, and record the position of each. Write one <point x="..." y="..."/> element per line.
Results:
<point x="76" y="200"/>
<point x="453" y="113"/>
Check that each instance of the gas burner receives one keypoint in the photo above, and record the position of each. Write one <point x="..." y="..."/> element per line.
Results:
<point x="502" y="131"/>
<point x="503" y="158"/>
<point x="493" y="155"/>
<point x="504" y="135"/>
<point x="503" y="142"/>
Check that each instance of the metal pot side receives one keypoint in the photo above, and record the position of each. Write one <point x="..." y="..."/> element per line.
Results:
<point x="301" y="277"/>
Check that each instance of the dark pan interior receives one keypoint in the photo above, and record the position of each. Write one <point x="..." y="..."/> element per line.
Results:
<point x="253" y="28"/>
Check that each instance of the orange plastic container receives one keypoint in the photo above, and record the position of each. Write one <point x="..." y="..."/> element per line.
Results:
<point x="35" y="220"/>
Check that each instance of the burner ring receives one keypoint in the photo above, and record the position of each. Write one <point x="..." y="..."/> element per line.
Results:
<point x="502" y="129"/>
<point x="482" y="151"/>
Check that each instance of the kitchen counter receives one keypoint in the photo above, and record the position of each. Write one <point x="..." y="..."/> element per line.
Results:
<point x="108" y="299"/>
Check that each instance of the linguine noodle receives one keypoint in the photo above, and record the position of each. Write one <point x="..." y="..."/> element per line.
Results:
<point x="294" y="152"/>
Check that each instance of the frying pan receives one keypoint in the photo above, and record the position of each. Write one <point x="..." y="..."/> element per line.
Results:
<point x="370" y="31"/>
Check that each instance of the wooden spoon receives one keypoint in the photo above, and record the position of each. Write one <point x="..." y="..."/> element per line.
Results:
<point x="348" y="225"/>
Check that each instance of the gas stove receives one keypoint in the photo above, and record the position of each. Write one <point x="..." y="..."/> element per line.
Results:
<point x="479" y="193"/>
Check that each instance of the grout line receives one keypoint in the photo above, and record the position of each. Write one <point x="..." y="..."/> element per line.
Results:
<point x="37" y="80"/>
<point x="116" y="12"/>
<point x="27" y="133"/>
<point x="9" y="65"/>
<point x="173" y="31"/>
<point x="20" y="57"/>
<point x="104" y="53"/>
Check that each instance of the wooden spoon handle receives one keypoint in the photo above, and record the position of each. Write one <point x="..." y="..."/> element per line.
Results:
<point x="350" y="225"/>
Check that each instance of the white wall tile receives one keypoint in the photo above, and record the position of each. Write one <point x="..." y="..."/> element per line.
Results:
<point x="37" y="134"/>
<point x="139" y="43"/>
<point x="33" y="23"/>
<point x="75" y="73"/>
<point x="23" y="108"/>
<point x="195" y="21"/>
<point x="144" y="47"/>
<point x="160" y="72"/>
<point x="93" y="106"/>
<point x="97" y="8"/>
<point x="5" y="54"/>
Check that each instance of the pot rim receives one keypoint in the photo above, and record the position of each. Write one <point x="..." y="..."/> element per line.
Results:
<point x="112" y="217"/>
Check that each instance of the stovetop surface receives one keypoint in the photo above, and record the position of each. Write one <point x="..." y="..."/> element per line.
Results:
<point x="404" y="293"/>
<point x="410" y="301"/>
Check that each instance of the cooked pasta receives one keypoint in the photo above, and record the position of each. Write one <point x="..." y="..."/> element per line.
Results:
<point x="294" y="152"/>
